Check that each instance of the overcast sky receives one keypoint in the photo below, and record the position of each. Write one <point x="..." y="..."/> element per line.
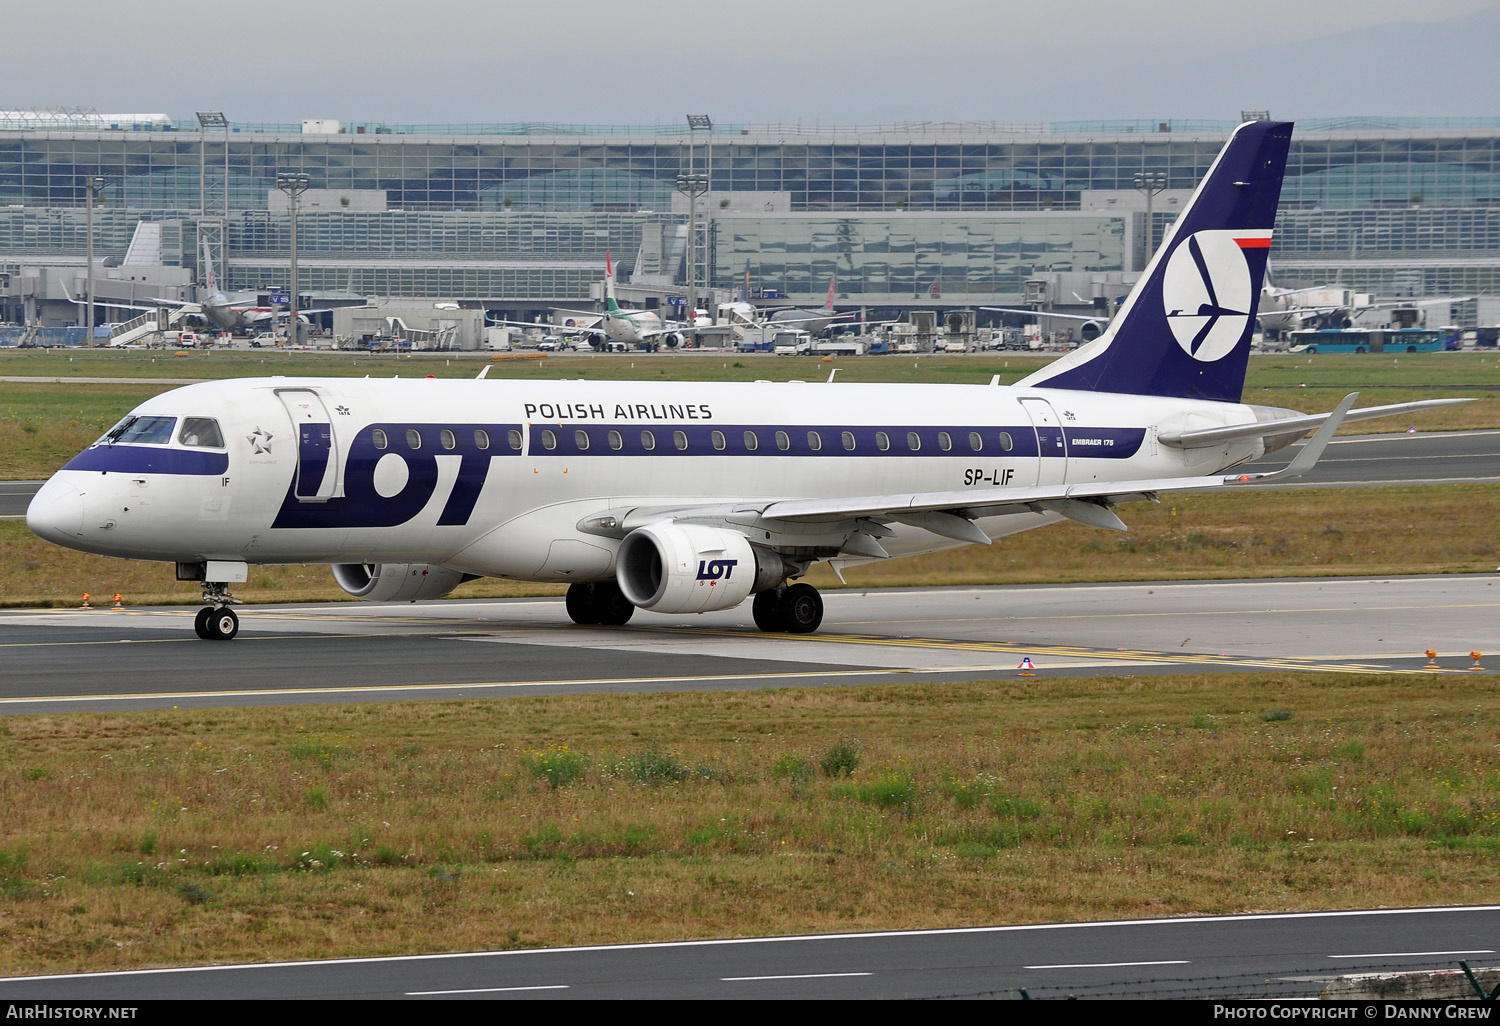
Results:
<point x="808" y="61"/>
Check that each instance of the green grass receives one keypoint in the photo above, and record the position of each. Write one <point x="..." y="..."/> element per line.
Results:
<point x="218" y="835"/>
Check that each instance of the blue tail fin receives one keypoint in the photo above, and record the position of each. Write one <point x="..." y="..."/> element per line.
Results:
<point x="1184" y="331"/>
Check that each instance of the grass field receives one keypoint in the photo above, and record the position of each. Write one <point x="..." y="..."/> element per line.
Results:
<point x="136" y="839"/>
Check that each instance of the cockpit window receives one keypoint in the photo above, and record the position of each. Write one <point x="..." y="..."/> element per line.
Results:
<point x="135" y="430"/>
<point x="202" y="432"/>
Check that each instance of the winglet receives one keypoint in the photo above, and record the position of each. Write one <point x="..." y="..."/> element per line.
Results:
<point x="1311" y="452"/>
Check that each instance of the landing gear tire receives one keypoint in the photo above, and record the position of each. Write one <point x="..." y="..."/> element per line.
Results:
<point x="222" y="624"/>
<point x="200" y="623"/>
<point x="600" y="603"/>
<point x="580" y="603"/>
<point x="767" y="610"/>
<point x="801" y="609"/>
<point x="796" y="610"/>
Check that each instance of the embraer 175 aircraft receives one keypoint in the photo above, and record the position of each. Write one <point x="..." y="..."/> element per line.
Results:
<point x="690" y="497"/>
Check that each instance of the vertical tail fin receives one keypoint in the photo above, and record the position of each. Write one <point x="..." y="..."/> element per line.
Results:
<point x="1184" y="331"/>
<point x="833" y="284"/>
<point x="609" y="285"/>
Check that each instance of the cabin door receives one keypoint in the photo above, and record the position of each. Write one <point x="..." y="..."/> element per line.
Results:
<point x="317" y="453"/>
<point x="1051" y="446"/>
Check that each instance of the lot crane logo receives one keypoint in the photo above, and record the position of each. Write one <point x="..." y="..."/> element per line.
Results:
<point x="1206" y="292"/>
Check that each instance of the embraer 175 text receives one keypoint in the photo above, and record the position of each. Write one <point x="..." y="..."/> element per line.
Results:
<point x="690" y="497"/>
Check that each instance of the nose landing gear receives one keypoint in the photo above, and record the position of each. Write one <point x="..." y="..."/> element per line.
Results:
<point x="216" y="621"/>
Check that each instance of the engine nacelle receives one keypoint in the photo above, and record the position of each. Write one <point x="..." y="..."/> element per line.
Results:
<point x="397" y="582"/>
<point x="687" y="568"/>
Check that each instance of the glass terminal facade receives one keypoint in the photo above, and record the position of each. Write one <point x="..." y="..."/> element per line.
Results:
<point x="517" y="214"/>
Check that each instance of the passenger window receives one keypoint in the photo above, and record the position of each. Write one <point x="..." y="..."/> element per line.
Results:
<point x="752" y="441"/>
<point x="814" y="441"/>
<point x="449" y="442"/>
<point x="549" y="439"/>
<point x="719" y="440"/>
<point x="378" y="437"/>
<point x="616" y="442"/>
<point x="783" y="441"/>
<point x="648" y="441"/>
<point x="513" y="438"/>
<point x="848" y="441"/>
<point x="913" y="441"/>
<point x="976" y="441"/>
<point x="1006" y="442"/>
<point x="679" y="439"/>
<point x="202" y="432"/>
<point x="945" y="441"/>
<point x="882" y="441"/>
<point x="413" y="439"/>
<point x="581" y="439"/>
<point x="481" y="438"/>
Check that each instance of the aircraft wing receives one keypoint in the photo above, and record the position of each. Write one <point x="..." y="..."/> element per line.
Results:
<point x="859" y="521"/>
<point x="1044" y="313"/>
<point x="556" y="329"/>
<point x="1385" y="304"/>
<point x="952" y="513"/>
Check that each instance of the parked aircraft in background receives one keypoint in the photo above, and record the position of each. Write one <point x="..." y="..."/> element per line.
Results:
<point x="687" y="497"/>
<point x="1328" y="306"/>
<point x="643" y="328"/>
<point x="811" y="321"/>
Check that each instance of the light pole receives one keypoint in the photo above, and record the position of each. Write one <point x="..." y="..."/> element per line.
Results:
<point x="1150" y="183"/>
<point x="695" y="184"/>
<point x="211" y="228"/>
<point x="93" y="183"/>
<point x="294" y="185"/>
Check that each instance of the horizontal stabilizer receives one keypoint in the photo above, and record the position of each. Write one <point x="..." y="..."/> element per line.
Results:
<point x="1292" y="425"/>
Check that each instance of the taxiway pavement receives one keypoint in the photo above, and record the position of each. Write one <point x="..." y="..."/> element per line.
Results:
<point x="54" y="660"/>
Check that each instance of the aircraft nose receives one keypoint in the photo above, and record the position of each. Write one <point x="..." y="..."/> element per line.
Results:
<point x="56" y="512"/>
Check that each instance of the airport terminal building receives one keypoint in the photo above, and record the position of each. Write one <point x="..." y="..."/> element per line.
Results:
<point x="517" y="217"/>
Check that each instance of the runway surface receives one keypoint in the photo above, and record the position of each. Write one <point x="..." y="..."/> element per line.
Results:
<point x="1247" y="957"/>
<point x="54" y="660"/>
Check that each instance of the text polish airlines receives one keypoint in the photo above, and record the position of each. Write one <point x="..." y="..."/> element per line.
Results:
<point x="691" y="497"/>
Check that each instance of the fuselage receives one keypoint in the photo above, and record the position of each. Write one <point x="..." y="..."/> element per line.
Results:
<point x="502" y="478"/>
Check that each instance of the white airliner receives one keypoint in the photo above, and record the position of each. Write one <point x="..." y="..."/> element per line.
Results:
<point x="689" y="497"/>
<point x="633" y="327"/>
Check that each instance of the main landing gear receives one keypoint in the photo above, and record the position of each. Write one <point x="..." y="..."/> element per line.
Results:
<point x="216" y="621"/>
<point x="794" y="610"/>
<point x="599" y="602"/>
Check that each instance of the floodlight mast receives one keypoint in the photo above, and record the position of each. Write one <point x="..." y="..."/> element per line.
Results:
<point x="294" y="184"/>
<point x="92" y="185"/>
<point x="695" y="184"/>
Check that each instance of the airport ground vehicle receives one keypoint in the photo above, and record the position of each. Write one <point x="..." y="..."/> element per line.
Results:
<point x="1370" y="340"/>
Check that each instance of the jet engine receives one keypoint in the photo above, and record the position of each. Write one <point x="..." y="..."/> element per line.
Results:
<point x="397" y="582"/>
<point x="688" y="568"/>
<point x="671" y="340"/>
<point x="1090" y="330"/>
